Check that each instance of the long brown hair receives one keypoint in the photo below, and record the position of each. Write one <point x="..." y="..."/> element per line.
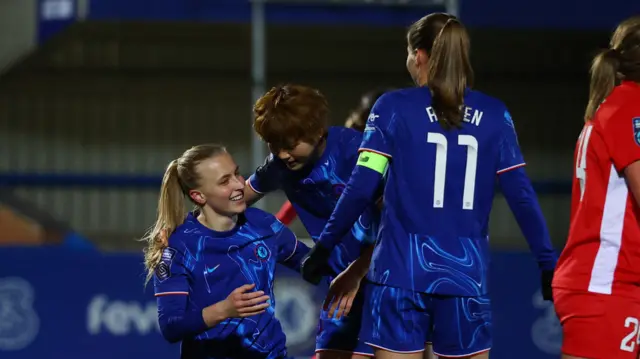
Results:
<point x="179" y="178"/>
<point x="449" y="70"/>
<point x="621" y="61"/>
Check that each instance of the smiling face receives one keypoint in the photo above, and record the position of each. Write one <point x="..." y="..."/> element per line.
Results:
<point x="220" y="185"/>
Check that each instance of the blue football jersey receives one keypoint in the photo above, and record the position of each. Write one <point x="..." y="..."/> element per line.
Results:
<point x="315" y="190"/>
<point x="439" y="190"/>
<point x="207" y="266"/>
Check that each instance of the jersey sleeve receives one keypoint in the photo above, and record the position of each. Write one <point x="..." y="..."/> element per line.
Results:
<point x="290" y="250"/>
<point x="171" y="276"/>
<point x="360" y="192"/>
<point x="177" y="322"/>
<point x="518" y="191"/>
<point x="378" y="132"/>
<point x="365" y="228"/>
<point x="510" y="156"/>
<point x="622" y="137"/>
<point x="266" y="178"/>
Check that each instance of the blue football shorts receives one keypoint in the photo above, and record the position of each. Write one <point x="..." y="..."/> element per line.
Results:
<point x="343" y="335"/>
<point x="403" y="321"/>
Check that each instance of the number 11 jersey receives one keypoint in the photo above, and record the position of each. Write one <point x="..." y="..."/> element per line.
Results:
<point x="439" y="189"/>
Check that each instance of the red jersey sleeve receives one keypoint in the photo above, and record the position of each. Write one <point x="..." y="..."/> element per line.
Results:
<point x="622" y="136"/>
<point x="287" y="213"/>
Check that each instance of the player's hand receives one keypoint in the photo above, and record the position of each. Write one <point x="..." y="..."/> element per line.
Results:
<point x="243" y="302"/>
<point x="342" y="292"/>
<point x="545" y="283"/>
<point x="315" y="264"/>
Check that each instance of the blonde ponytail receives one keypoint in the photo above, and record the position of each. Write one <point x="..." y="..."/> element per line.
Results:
<point x="179" y="178"/>
<point x="604" y="73"/>
<point x="170" y="215"/>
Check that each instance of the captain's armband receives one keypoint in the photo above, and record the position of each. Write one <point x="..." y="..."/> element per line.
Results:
<point x="374" y="161"/>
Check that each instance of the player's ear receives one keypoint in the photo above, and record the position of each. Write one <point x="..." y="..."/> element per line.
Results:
<point x="197" y="197"/>
<point x="421" y="57"/>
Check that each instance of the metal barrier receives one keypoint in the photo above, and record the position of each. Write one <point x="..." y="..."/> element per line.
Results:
<point x="113" y="209"/>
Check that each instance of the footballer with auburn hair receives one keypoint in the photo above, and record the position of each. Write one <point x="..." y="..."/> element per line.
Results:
<point x="357" y="120"/>
<point x="311" y="162"/>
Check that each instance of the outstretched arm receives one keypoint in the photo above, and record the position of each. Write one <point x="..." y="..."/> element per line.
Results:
<point x="265" y="179"/>
<point x="376" y="151"/>
<point x="344" y="288"/>
<point x="250" y="194"/>
<point x="361" y="191"/>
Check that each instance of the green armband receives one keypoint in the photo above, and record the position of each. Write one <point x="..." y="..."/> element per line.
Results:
<point x="374" y="161"/>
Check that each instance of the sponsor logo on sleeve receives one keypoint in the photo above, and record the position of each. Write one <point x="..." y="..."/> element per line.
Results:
<point x="163" y="270"/>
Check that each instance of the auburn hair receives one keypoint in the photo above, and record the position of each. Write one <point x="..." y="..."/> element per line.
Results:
<point x="289" y="114"/>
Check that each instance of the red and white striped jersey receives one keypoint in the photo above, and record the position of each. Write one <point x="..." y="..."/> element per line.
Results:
<point x="602" y="254"/>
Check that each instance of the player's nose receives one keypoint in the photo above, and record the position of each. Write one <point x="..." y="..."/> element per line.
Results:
<point x="284" y="155"/>
<point x="238" y="183"/>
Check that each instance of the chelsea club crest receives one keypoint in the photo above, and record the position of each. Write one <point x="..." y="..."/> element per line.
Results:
<point x="262" y="252"/>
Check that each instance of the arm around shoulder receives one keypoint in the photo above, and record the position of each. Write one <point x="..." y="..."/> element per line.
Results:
<point x="265" y="179"/>
<point x="250" y="194"/>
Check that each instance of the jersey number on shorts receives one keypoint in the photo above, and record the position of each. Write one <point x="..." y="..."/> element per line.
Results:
<point x="581" y="158"/>
<point x="628" y="343"/>
<point x="440" y="172"/>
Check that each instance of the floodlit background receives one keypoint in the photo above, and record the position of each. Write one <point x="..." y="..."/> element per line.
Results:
<point x="97" y="96"/>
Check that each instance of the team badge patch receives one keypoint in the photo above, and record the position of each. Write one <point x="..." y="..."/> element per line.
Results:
<point x="262" y="252"/>
<point x="636" y="130"/>
<point x="163" y="270"/>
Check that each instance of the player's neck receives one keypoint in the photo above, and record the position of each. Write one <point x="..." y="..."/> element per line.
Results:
<point x="215" y="221"/>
